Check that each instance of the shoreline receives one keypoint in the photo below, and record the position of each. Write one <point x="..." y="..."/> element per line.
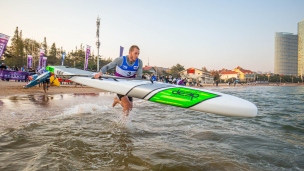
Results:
<point x="8" y="88"/>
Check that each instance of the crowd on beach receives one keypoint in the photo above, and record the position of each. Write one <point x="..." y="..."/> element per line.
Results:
<point x="174" y="80"/>
<point x="6" y="68"/>
<point x="16" y="68"/>
<point x="165" y="79"/>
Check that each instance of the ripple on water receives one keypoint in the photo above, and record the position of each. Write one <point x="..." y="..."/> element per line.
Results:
<point x="83" y="132"/>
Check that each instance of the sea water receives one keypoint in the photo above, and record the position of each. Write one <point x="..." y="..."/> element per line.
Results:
<point x="84" y="132"/>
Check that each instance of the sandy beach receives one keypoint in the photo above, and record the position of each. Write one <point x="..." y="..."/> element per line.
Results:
<point x="8" y="88"/>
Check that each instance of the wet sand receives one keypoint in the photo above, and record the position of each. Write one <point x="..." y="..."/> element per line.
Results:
<point x="8" y="88"/>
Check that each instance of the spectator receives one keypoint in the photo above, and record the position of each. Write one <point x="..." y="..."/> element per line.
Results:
<point x="153" y="77"/>
<point x="174" y="81"/>
<point x="170" y="79"/>
<point x="190" y="81"/>
<point x="3" y="66"/>
<point x="166" y="79"/>
<point x="185" y="81"/>
<point x="147" y="76"/>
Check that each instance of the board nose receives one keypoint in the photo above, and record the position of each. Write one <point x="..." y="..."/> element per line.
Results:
<point x="228" y="105"/>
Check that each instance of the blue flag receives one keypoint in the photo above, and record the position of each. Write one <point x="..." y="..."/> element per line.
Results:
<point x="121" y="51"/>
<point x="62" y="59"/>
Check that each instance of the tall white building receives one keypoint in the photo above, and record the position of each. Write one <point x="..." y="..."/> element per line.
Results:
<point x="286" y="54"/>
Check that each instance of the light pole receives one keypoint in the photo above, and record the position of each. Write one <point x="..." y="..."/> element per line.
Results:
<point x="302" y="73"/>
<point x="97" y="42"/>
<point x="292" y="80"/>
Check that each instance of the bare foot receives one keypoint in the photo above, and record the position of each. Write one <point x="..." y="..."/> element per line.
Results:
<point x="125" y="112"/>
<point x="116" y="100"/>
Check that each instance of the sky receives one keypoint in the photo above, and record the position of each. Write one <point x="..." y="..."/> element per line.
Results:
<point x="214" y="34"/>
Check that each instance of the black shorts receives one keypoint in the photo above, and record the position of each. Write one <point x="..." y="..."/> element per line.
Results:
<point x="47" y="81"/>
<point x="120" y="96"/>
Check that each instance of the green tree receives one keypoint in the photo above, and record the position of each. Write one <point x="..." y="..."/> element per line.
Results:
<point x="35" y="52"/>
<point x="204" y="69"/>
<point x="15" y="55"/>
<point x="68" y="60"/>
<point x="164" y="73"/>
<point x="174" y="71"/>
<point x="52" y="57"/>
<point x="21" y="50"/>
<point x="215" y="75"/>
<point x="44" y="46"/>
<point x="78" y="57"/>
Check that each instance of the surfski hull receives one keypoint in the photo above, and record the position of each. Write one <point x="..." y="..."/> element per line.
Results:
<point x="38" y="80"/>
<point x="181" y="96"/>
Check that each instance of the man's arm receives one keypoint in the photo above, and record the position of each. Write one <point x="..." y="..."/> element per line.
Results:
<point x="116" y="62"/>
<point x="139" y="71"/>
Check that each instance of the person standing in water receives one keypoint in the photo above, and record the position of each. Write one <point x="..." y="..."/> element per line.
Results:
<point x="46" y="84"/>
<point x="129" y="66"/>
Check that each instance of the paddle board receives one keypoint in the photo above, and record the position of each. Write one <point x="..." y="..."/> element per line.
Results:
<point x="181" y="96"/>
<point x="42" y="77"/>
<point x="32" y="77"/>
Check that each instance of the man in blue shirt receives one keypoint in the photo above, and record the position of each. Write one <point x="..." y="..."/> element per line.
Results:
<point x="128" y="67"/>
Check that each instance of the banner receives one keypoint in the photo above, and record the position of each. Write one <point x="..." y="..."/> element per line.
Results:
<point x="13" y="75"/>
<point x="44" y="59"/>
<point x="3" y="42"/>
<point x="190" y="71"/>
<point x="87" y="54"/>
<point x="62" y="59"/>
<point x="29" y="61"/>
<point x="121" y="51"/>
<point x="40" y="59"/>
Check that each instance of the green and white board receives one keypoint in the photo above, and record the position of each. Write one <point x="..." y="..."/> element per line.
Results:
<point x="168" y="94"/>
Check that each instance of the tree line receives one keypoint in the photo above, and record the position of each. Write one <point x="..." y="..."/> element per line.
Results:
<point x="16" y="53"/>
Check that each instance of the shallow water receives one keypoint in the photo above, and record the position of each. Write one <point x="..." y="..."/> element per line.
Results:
<point x="83" y="132"/>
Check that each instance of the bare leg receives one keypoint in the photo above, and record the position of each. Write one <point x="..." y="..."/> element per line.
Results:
<point x="44" y="87"/>
<point x="116" y="100"/>
<point x="126" y="104"/>
<point x="48" y="85"/>
<point x="131" y="105"/>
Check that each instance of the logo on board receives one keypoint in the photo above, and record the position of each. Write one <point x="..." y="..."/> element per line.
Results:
<point x="180" y="92"/>
<point x="182" y="96"/>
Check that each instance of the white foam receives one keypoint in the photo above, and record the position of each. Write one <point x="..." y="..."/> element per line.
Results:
<point x="87" y="108"/>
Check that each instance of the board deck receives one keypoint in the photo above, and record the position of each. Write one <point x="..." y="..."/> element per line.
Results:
<point x="181" y="96"/>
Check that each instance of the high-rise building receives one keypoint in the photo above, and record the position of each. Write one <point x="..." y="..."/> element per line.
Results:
<point x="286" y="54"/>
<point x="301" y="48"/>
